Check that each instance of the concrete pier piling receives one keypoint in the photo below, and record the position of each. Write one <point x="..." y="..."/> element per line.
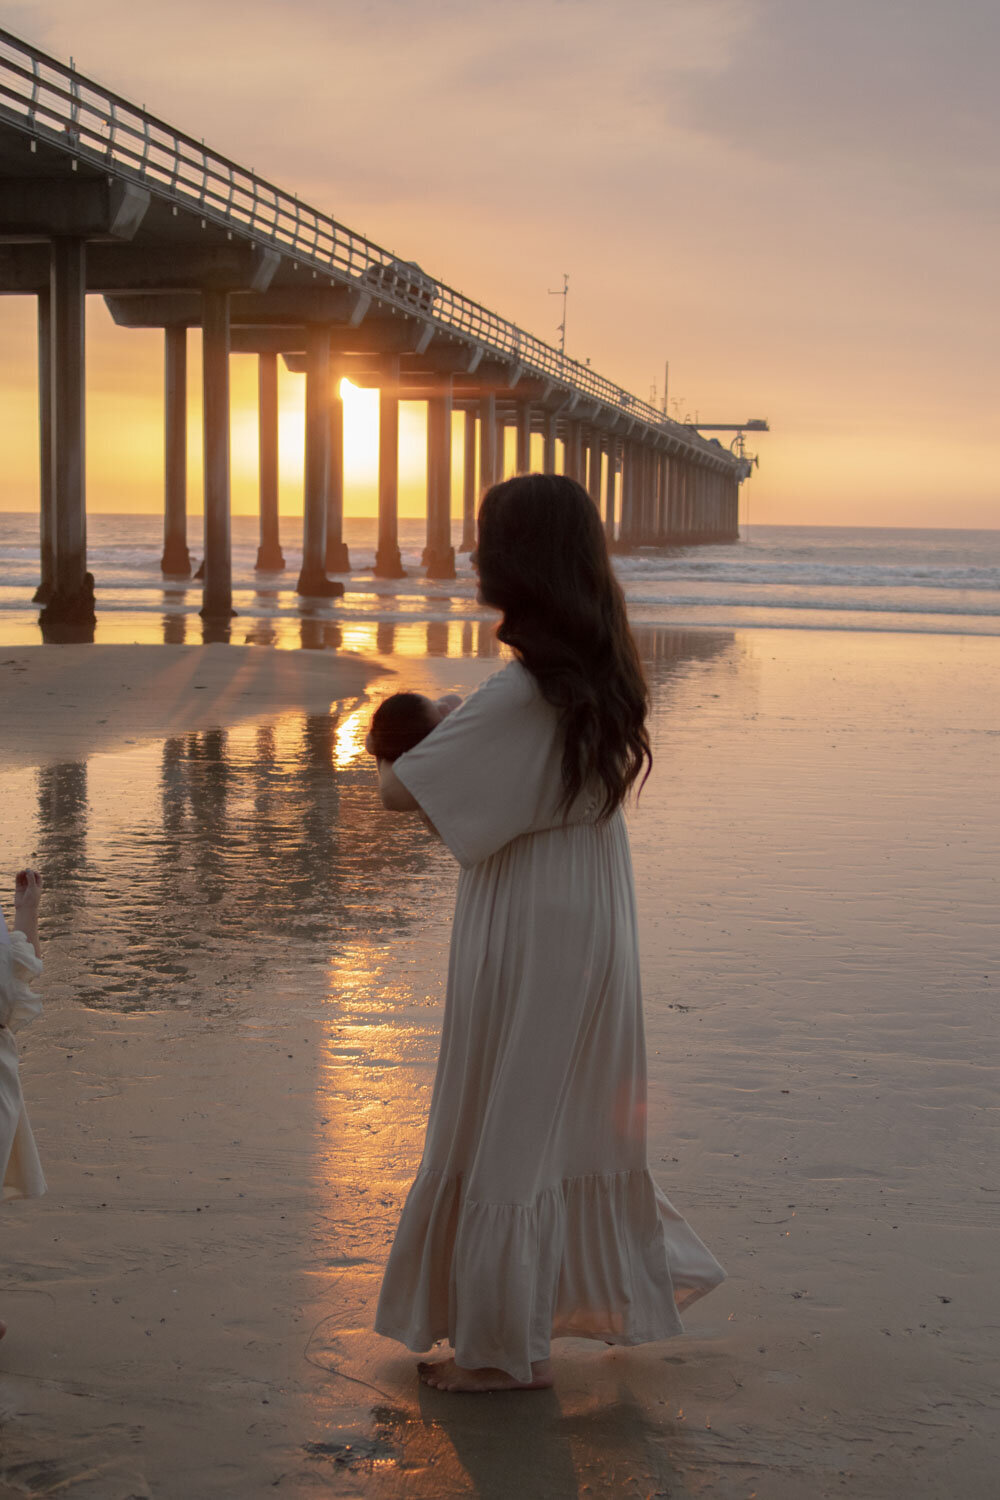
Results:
<point x="72" y="598"/>
<point x="338" y="559"/>
<point x="176" y="559"/>
<point x="488" y="467"/>
<point x="217" y="600"/>
<point x="676" y="501"/>
<point x="388" y="562"/>
<point x="627" y="532"/>
<point x="270" y="558"/>
<point x="500" y="473"/>
<point x="594" y="467"/>
<point x="46" y="514"/>
<point x="610" y="486"/>
<point x="645" y="497"/>
<point x="439" y="554"/>
<point x="573" y="454"/>
<point x="469" y="483"/>
<point x="313" y="582"/>
<point x="660" y="507"/>
<point x="549" y="443"/>
<point x="662" y="467"/>
<point x="524" y="419"/>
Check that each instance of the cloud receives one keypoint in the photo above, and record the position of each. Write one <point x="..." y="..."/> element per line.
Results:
<point x="790" y="199"/>
<point x="905" y="84"/>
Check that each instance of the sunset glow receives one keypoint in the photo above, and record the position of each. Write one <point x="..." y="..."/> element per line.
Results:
<point x="799" y="258"/>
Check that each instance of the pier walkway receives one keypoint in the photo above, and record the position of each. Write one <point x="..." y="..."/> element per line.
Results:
<point x="99" y="197"/>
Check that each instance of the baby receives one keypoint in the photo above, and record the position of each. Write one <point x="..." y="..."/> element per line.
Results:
<point x="403" y="720"/>
<point x="20" y="1169"/>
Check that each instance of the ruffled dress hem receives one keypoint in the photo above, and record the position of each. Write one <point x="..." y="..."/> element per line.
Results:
<point x="604" y="1256"/>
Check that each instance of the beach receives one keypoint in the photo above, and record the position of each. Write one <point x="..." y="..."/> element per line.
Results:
<point x="245" y="965"/>
<point x="321" y="326"/>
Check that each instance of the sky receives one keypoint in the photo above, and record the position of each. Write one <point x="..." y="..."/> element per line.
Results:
<point x="793" y="202"/>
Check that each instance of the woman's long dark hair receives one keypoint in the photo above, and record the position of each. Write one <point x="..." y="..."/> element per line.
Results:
<point x="543" y="560"/>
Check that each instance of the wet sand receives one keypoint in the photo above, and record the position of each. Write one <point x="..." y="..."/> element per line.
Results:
<point x="245" y="973"/>
<point x="69" y="702"/>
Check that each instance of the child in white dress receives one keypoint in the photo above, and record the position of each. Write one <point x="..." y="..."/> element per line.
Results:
<point x="20" y="1169"/>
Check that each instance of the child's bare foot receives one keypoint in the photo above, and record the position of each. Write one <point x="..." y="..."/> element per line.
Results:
<point x="446" y="1375"/>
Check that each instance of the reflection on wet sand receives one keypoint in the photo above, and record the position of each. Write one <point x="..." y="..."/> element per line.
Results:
<point x="507" y="1457"/>
<point x="68" y="634"/>
<point x="216" y="632"/>
<point x="236" y="840"/>
<point x="615" y="1426"/>
<point x="320" y="635"/>
<point x="62" y="837"/>
<point x="311" y="630"/>
<point x="665" y="653"/>
<point x="174" y="630"/>
<point x="539" y="1448"/>
<point x="437" y="637"/>
<point x="261" y="633"/>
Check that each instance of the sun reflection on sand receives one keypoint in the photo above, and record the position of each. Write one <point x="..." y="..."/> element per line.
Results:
<point x="375" y="1066"/>
<point x="360" y="637"/>
<point x="349" y="744"/>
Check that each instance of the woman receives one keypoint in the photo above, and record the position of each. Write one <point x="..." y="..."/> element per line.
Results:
<point x="534" y="1213"/>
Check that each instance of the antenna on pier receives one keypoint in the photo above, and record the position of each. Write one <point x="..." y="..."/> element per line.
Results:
<point x="655" y="399"/>
<point x="561" y="330"/>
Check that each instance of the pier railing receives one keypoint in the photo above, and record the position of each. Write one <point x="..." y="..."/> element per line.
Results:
<point x="55" y="103"/>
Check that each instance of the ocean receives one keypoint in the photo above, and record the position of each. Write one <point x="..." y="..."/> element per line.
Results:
<point x="789" y="577"/>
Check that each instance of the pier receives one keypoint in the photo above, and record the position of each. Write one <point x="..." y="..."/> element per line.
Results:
<point x="98" y="197"/>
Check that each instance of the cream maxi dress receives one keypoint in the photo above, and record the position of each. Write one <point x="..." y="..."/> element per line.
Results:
<point x="533" y="1213"/>
<point x="20" y="1169"/>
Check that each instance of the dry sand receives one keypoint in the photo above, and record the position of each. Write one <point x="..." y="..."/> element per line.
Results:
<point x="245" y="972"/>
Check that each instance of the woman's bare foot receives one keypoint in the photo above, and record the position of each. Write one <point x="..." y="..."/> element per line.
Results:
<point x="446" y="1375"/>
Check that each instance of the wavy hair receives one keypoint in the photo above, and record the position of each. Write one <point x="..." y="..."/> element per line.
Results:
<point x="543" y="561"/>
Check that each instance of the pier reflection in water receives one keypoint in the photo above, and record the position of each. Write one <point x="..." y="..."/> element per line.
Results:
<point x="317" y="632"/>
<point x="237" y="844"/>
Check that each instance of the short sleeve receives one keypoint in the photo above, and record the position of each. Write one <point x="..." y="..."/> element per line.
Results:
<point x="491" y="770"/>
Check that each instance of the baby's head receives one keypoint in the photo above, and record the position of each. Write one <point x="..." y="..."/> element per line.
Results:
<point x="400" y="722"/>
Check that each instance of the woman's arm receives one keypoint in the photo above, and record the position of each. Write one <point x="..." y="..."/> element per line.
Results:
<point x="394" y="794"/>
